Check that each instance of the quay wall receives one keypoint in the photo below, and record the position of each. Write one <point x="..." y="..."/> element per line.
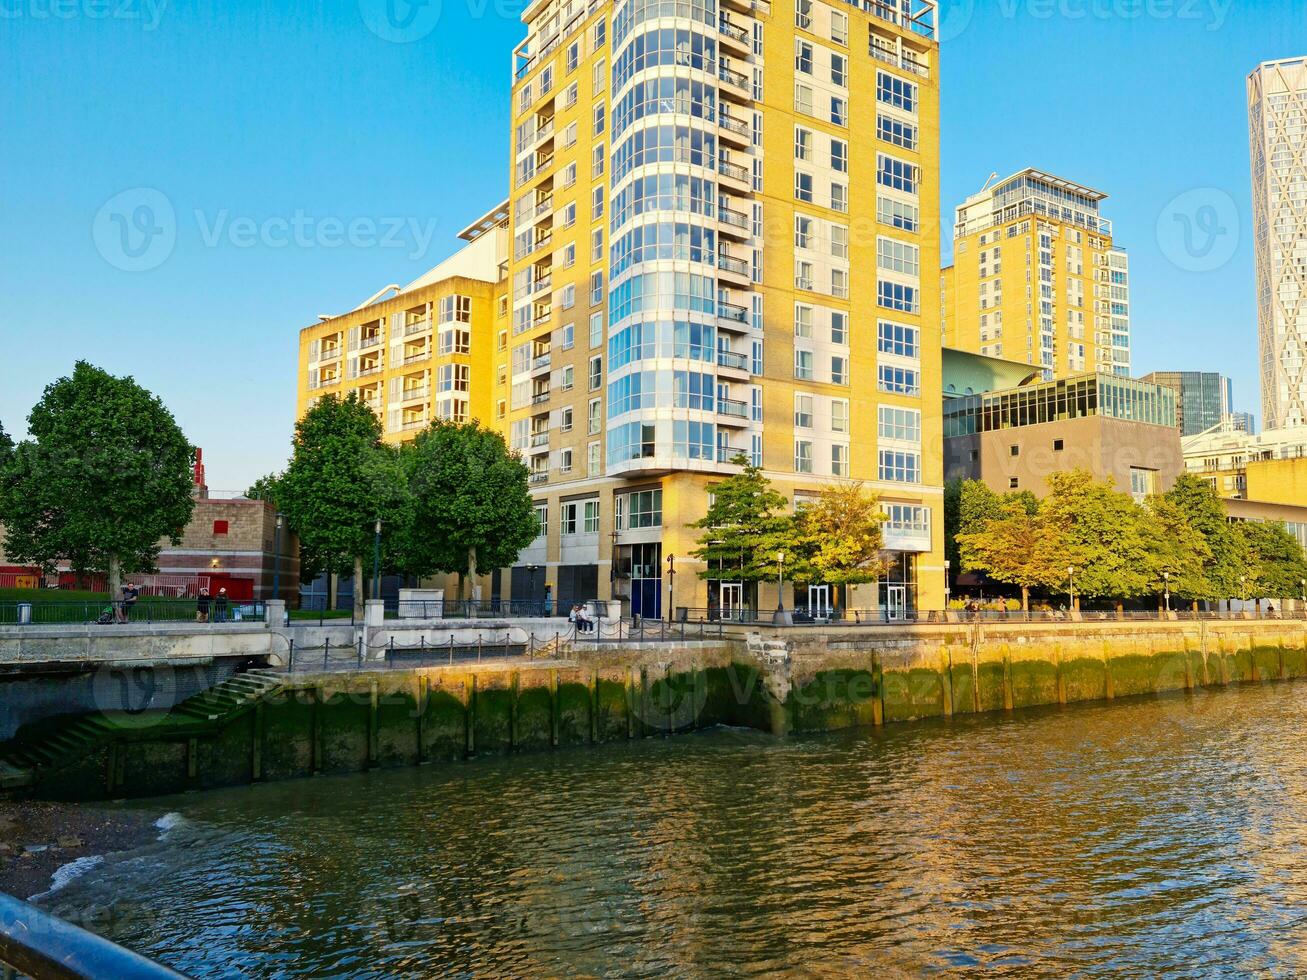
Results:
<point x="809" y="681"/>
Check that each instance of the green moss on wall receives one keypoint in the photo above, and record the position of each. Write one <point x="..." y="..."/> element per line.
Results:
<point x="912" y="694"/>
<point x="535" y="726"/>
<point x="444" y="726"/>
<point x="493" y="718"/>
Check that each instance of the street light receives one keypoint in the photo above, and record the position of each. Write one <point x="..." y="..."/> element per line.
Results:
<point x="376" y="561"/>
<point x="671" y="585"/>
<point x="1166" y="576"/>
<point x="1303" y="583"/>
<point x="782" y="618"/>
<point x="276" y="560"/>
<point x="1071" y="574"/>
<point x="531" y="582"/>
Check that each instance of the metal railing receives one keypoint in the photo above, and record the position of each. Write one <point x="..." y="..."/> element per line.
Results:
<point x="732" y="77"/>
<point x="146" y="612"/>
<point x="731" y="217"/>
<point x="731" y="124"/>
<point x="34" y="943"/>
<point x="728" y="263"/>
<point x="733" y="171"/>
<point x="732" y="360"/>
<point x="428" y="609"/>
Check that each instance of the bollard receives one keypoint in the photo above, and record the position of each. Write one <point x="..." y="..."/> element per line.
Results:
<point x="478" y="648"/>
<point x="325" y="648"/>
<point x="360" y="654"/>
<point x="451" y="648"/>
<point x="290" y="667"/>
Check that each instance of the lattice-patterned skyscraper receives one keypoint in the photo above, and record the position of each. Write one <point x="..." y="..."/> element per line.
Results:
<point x="1277" y="109"/>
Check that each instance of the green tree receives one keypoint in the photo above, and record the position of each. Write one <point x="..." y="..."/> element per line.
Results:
<point x="1227" y="557"/>
<point x="264" y="488"/>
<point x="341" y="480"/>
<point x="745" y="519"/>
<point x="6" y="448"/>
<point x="471" y="500"/>
<point x="1180" y="550"/>
<point x="838" y="540"/>
<point x="105" y="478"/>
<point x="1017" y="548"/>
<point x="1104" y="534"/>
<point x="1277" y="561"/>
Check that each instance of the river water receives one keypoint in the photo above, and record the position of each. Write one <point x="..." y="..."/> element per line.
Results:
<point x="1159" y="838"/>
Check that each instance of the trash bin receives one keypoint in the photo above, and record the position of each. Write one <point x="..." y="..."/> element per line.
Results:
<point x="682" y="614"/>
<point x="24" y="614"/>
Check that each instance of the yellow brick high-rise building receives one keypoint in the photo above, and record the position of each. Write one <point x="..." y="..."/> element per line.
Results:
<point x="721" y="239"/>
<point x="1037" y="277"/>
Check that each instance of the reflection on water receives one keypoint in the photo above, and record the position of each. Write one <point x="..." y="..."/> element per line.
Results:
<point x="1154" y="838"/>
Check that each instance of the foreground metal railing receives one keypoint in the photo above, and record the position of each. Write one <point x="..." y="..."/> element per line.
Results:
<point x="36" y="944"/>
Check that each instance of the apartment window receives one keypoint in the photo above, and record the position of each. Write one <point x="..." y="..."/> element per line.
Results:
<point x="896" y="174"/>
<point x="897" y="214"/>
<point x="567" y="297"/>
<point x="803" y="321"/>
<point x="839" y="70"/>
<point x="802" y="143"/>
<point x="839" y="241"/>
<point x="839" y="197"/>
<point x="900" y="467"/>
<point x="573" y="55"/>
<point x="839" y="460"/>
<point x="542" y="519"/>
<point x="802" y="231"/>
<point x="640" y="510"/>
<point x="565" y="420"/>
<point x="803" y="14"/>
<point x="803" y="276"/>
<point x="895" y="91"/>
<point x="503" y="340"/>
<point x="569" y="215"/>
<point x="599" y="119"/>
<point x="839" y="111"/>
<point x="596" y="374"/>
<point x="895" y="338"/>
<point x="802" y="456"/>
<point x="839" y="156"/>
<point x="1013" y="483"/>
<point x="568" y="257"/>
<point x="899" y="381"/>
<point x="593" y="461"/>
<point x="597" y="203"/>
<point x="601" y="33"/>
<point x="803" y="57"/>
<point x="567" y="336"/>
<point x="900" y="424"/>
<point x="895" y="296"/>
<point x="839" y="370"/>
<point x="501" y="409"/>
<point x="1014" y="451"/>
<point x="456" y="309"/>
<point x="839" y="415"/>
<point x="599" y="75"/>
<point x="803" y="365"/>
<point x="839" y="27"/>
<point x="803" y="411"/>
<point x="896" y="256"/>
<point x="803" y="99"/>
<point x="569" y="140"/>
<point x="594" y="421"/>
<point x="803" y="186"/>
<point x="567" y="178"/>
<point x="569" y="97"/>
<point x="1058" y="445"/>
<point x="547" y="80"/>
<point x="896" y="132"/>
<point x="596" y="329"/>
<point x="596" y="288"/>
<point x="839" y="328"/>
<point x="597" y="161"/>
<point x="839" y="284"/>
<point x="568" y="378"/>
<point x="565" y="461"/>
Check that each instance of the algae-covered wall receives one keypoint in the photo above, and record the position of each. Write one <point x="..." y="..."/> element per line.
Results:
<point x="346" y="722"/>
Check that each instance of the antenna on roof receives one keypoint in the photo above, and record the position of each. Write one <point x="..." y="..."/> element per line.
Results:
<point x="992" y="177"/>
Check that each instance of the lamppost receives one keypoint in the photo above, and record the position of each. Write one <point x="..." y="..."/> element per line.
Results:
<point x="1166" y="577"/>
<point x="1303" y="583"/>
<point x="1071" y="574"/>
<point x="376" y="561"/>
<point x="671" y="585"/>
<point x="276" y="560"/>
<point x="531" y="582"/>
<point x="782" y="618"/>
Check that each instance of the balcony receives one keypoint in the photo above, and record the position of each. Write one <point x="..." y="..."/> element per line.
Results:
<point x="727" y="454"/>
<point x="731" y="361"/>
<point x="329" y="353"/>
<point x="733" y="315"/>
<point x="540" y="398"/>
<point x="735" y="131"/>
<point x="542" y="363"/>
<point x="415" y="393"/>
<point x="538" y="477"/>
<point x="368" y="370"/>
<point x="412" y="424"/>
<point x="543" y="284"/>
<point x="545" y="206"/>
<point x="736" y="224"/>
<point x="367" y="343"/>
<point x="735" y="85"/>
<point x="423" y="355"/>
<point x="733" y="268"/>
<point x="734" y="31"/>
<point x="907" y="536"/>
<point x="749" y="6"/>
<point x="734" y="172"/>
<point x="540" y="440"/>
<point x="417" y="326"/>
<point x="732" y="411"/>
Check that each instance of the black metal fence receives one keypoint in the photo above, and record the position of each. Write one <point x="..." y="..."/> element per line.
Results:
<point x="427" y="609"/>
<point x="118" y="613"/>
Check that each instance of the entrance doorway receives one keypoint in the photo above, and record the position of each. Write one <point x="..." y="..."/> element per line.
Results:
<point x="819" y="601"/>
<point x="732" y="602"/>
<point x="896" y="609"/>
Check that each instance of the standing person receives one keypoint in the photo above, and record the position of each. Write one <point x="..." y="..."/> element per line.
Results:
<point x="202" y="603"/>
<point x="220" y="606"/>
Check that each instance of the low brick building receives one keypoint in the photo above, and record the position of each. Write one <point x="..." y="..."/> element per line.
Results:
<point x="234" y="543"/>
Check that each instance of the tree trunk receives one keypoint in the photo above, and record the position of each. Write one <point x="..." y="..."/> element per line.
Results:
<point x="115" y="578"/>
<point x="1025" y="598"/>
<point x="472" y="576"/>
<point x="360" y="590"/>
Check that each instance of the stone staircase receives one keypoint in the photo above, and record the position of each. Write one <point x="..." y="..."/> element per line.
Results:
<point x="21" y="764"/>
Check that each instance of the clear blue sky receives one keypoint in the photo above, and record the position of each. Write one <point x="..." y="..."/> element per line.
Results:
<point x="253" y="118"/>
